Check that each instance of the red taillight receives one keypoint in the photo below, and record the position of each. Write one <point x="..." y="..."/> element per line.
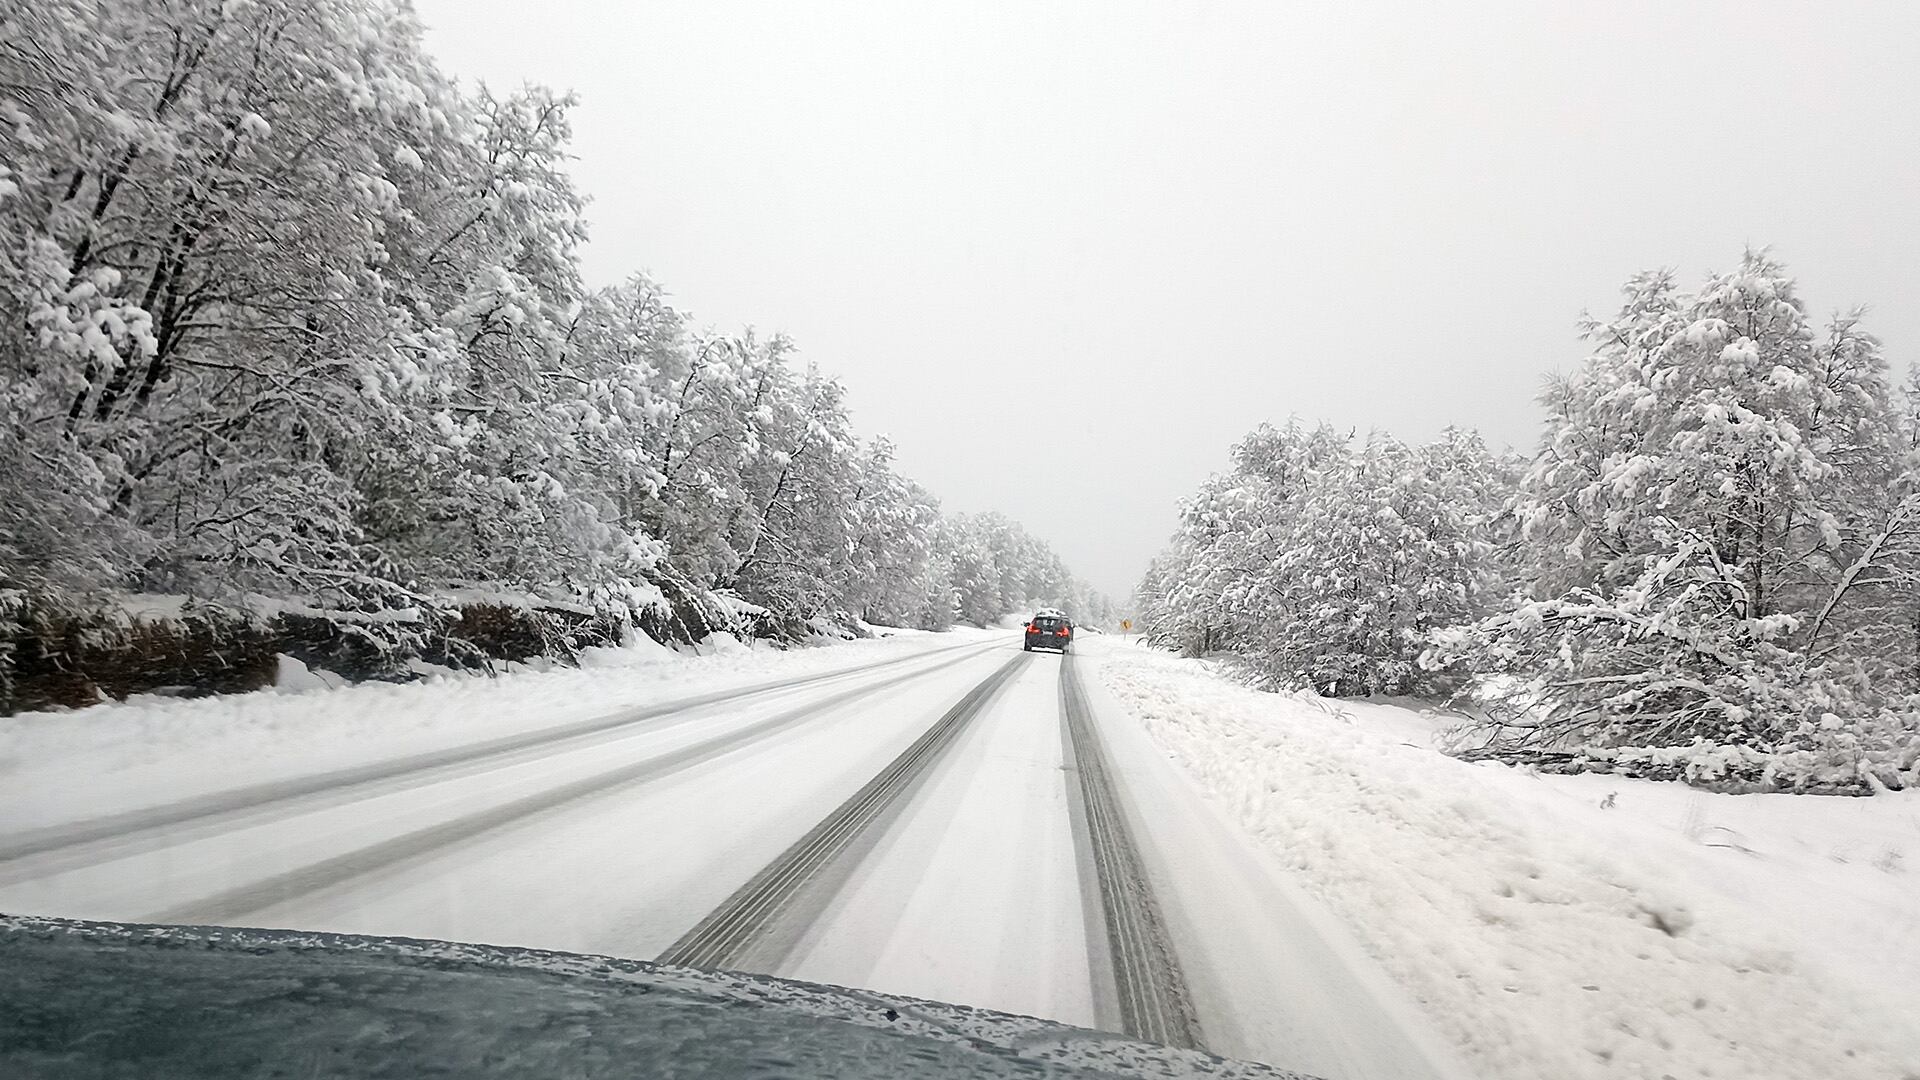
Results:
<point x="1062" y="632"/>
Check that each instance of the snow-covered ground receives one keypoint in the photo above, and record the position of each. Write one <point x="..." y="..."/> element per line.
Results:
<point x="64" y="766"/>
<point x="1343" y="899"/>
<point x="1274" y="976"/>
<point x="971" y="893"/>
<point x="623" y="872"/>
<point x="1558" y="926"/>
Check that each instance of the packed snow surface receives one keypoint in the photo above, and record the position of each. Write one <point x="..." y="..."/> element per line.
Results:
<point x="984" y="854"/>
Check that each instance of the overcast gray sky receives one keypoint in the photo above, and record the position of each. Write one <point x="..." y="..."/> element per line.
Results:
<point x="1065" y="254"/>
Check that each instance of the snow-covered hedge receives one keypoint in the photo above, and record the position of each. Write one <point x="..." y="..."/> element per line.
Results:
<point x="57" y="652"/>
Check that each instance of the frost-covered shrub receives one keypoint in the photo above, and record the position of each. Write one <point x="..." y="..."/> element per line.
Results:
<point x="64" y="654"/>
<point x="1650" y="664"/>
<point x="13" y="636"/>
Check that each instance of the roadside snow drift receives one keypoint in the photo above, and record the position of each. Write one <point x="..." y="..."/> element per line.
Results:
<point x="1557" y="926"/>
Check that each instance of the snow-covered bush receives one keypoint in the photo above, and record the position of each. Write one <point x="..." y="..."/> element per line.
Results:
<point x="58" y="651"/>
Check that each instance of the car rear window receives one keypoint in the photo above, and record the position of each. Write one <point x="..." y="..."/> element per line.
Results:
<point x="1048" y="622"/>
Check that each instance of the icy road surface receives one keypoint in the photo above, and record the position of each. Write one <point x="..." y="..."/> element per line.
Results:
<point x="939" y="816"/>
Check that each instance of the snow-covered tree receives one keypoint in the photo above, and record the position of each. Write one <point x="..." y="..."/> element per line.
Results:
<point x="890" y="555"/>
<point x="285" y="311"/>
<point x="995" y="568"/>
<point x="1724" y="515"/>
<point x="1325" y="563"/>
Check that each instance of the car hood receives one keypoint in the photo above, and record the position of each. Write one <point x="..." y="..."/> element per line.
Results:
<point x="93" y="999"/>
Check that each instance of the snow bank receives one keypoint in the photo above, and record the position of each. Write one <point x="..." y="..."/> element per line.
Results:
<point x="1569" y="926"/>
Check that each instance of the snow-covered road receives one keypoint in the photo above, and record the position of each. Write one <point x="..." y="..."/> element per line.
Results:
<point x="920" y="819"/>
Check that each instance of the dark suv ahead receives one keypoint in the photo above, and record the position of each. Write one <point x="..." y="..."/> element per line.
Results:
<point x="1049" y="630"/>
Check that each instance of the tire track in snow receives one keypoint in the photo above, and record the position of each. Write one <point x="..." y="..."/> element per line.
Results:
<point x="354" y="867"/>
<point x="759" y="923"/>
<point x="59" y="848"/>
<point x="1137" y="975"/>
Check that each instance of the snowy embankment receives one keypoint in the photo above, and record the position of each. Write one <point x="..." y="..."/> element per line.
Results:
<point x="63" y="766"/>
<point x="1569" y="926"/>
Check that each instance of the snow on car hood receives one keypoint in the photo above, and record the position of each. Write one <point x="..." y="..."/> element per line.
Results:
<point x="93" y="999"/>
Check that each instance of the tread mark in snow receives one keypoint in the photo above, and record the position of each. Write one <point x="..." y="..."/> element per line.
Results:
<point x="331" y="873"/>
<point x="64" y="847"/>
<point x="1147" y="985"/>
<point x="746" y="923"/>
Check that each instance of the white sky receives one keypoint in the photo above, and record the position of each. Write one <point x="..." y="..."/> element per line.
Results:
<point x="1065" y="254"/>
